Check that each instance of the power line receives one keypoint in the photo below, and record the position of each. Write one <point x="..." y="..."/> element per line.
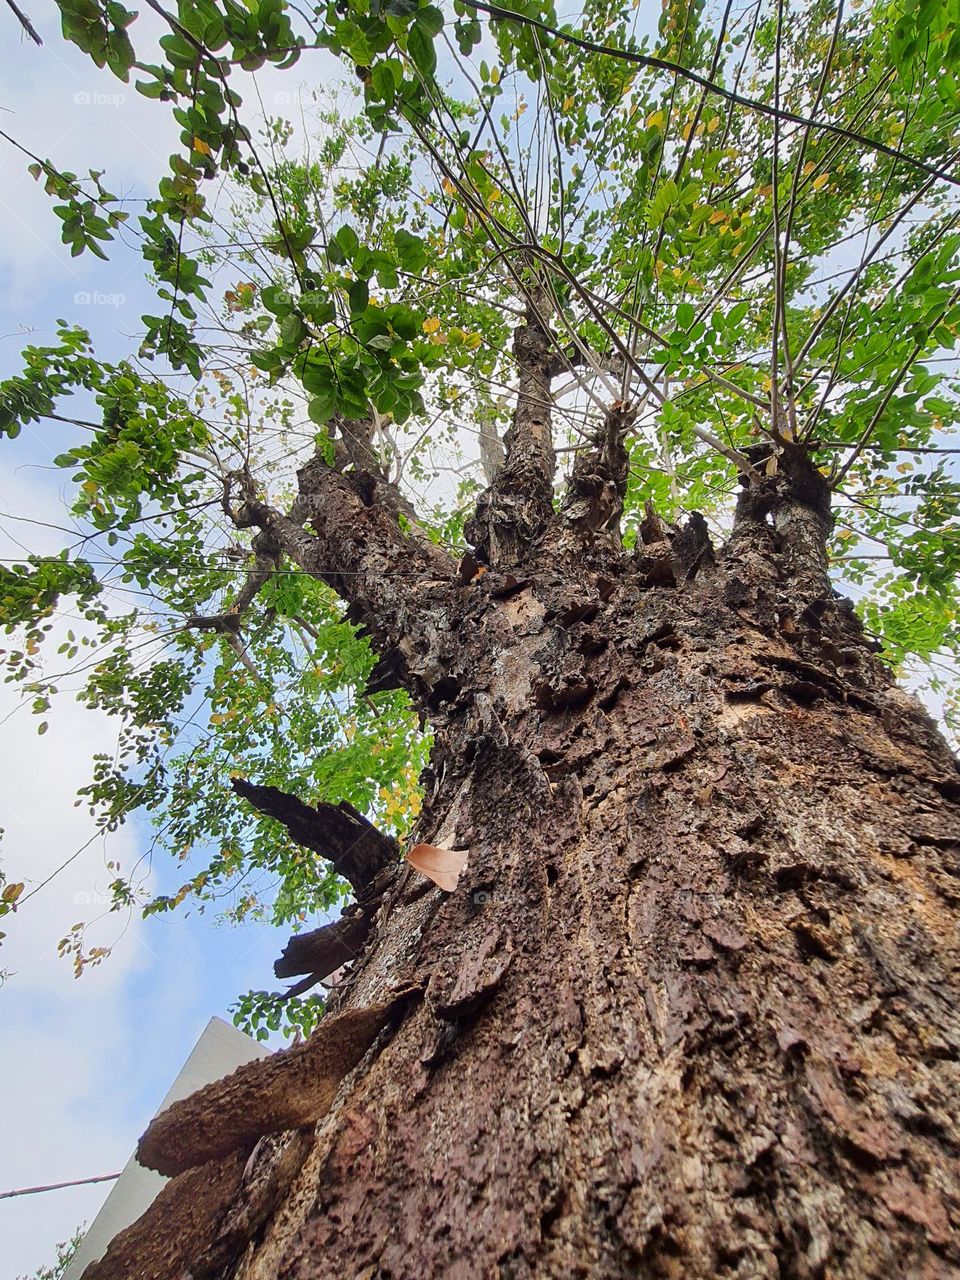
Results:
<point x="59" y="1186"/>
<point x="218" y="568"/>
<point x="675" y="69"/>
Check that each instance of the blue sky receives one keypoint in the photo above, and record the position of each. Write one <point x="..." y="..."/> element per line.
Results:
<point x="84" y="1062"/>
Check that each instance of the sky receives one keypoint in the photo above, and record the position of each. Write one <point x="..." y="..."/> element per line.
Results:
<point x="83" y="1063"/>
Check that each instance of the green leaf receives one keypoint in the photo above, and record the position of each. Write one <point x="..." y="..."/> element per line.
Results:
<point x="430" y="19"/>
<point x="321" y="409"/>
<point x="421" y="51"/>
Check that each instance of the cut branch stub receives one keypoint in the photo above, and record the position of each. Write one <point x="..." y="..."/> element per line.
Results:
<point x="292" y="1088"/>
<point x="358" y="851"/>
<point x="321" y="951"/>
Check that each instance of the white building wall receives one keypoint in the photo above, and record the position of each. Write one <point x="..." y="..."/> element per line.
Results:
<point x="219" y="1051"/>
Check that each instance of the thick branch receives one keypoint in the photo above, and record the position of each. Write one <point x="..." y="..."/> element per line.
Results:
<point x="343" y="531"/>
<point x="517" y="507"/>
<point x="266" y="560"/>
<point x="782" y="523"/>
<point x="598" y="481"/>
<point x="354" y="447"/>
<point x="358" y="851"/>
<point x="321" y="951"/>
<point x="289" y="1089"/>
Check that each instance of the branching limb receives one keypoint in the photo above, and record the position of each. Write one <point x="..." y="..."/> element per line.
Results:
<point x="266" y="562"/>
<point x="343" y="530"/>
<point x="515" y="510"/>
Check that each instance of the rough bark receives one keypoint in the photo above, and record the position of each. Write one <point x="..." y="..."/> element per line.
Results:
<point x="692" y="1009"/>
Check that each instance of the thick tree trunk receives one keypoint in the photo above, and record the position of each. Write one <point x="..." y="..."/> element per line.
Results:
<point x="692" y="1010"/>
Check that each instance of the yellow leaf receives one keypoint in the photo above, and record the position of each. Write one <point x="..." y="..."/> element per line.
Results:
<point x="12" y="892"/>
<point x="495" y="75"/>
<point x="656" y="120"/>
<point x="201" y="146"/>
<point x="765" y="191"/>
<point x="472" y="341"/>
<point x="431" y="325"/>
<point x="568" y="103"/>
<point x="448" y="187"/>
<point x="714" y="125"/>
<point x="820" y="181"/>
<point x="718" y="215"/>
<point x="808" y="168"/>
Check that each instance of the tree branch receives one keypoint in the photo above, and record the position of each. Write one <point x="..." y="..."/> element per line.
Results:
<point x="25" y="22"/>
<point x="267" y="559"/>
<point x="358" y="851"/>
<point x="515" y="510"/>
<point x="598" y="480"/>
<point x="321" y="951"/>
<point x="284" y="1091"/>
<point x="343" y="530"/>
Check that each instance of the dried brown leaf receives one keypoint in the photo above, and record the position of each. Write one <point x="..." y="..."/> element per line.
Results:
<point x="442" y="866"/>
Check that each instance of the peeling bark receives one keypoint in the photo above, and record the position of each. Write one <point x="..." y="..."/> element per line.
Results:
<point x="692" y="1010"/>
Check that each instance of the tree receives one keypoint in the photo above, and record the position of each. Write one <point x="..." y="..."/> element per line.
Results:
<point x="666" y="983"/>
<point x="65" y="1251"/>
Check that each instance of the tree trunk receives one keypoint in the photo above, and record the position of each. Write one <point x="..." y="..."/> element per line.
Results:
<point x="692" y="1008"/>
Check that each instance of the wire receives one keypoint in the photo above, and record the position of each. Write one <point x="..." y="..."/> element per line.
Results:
<point x="675" y="69"/>
<point x="59" y="1186"/>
